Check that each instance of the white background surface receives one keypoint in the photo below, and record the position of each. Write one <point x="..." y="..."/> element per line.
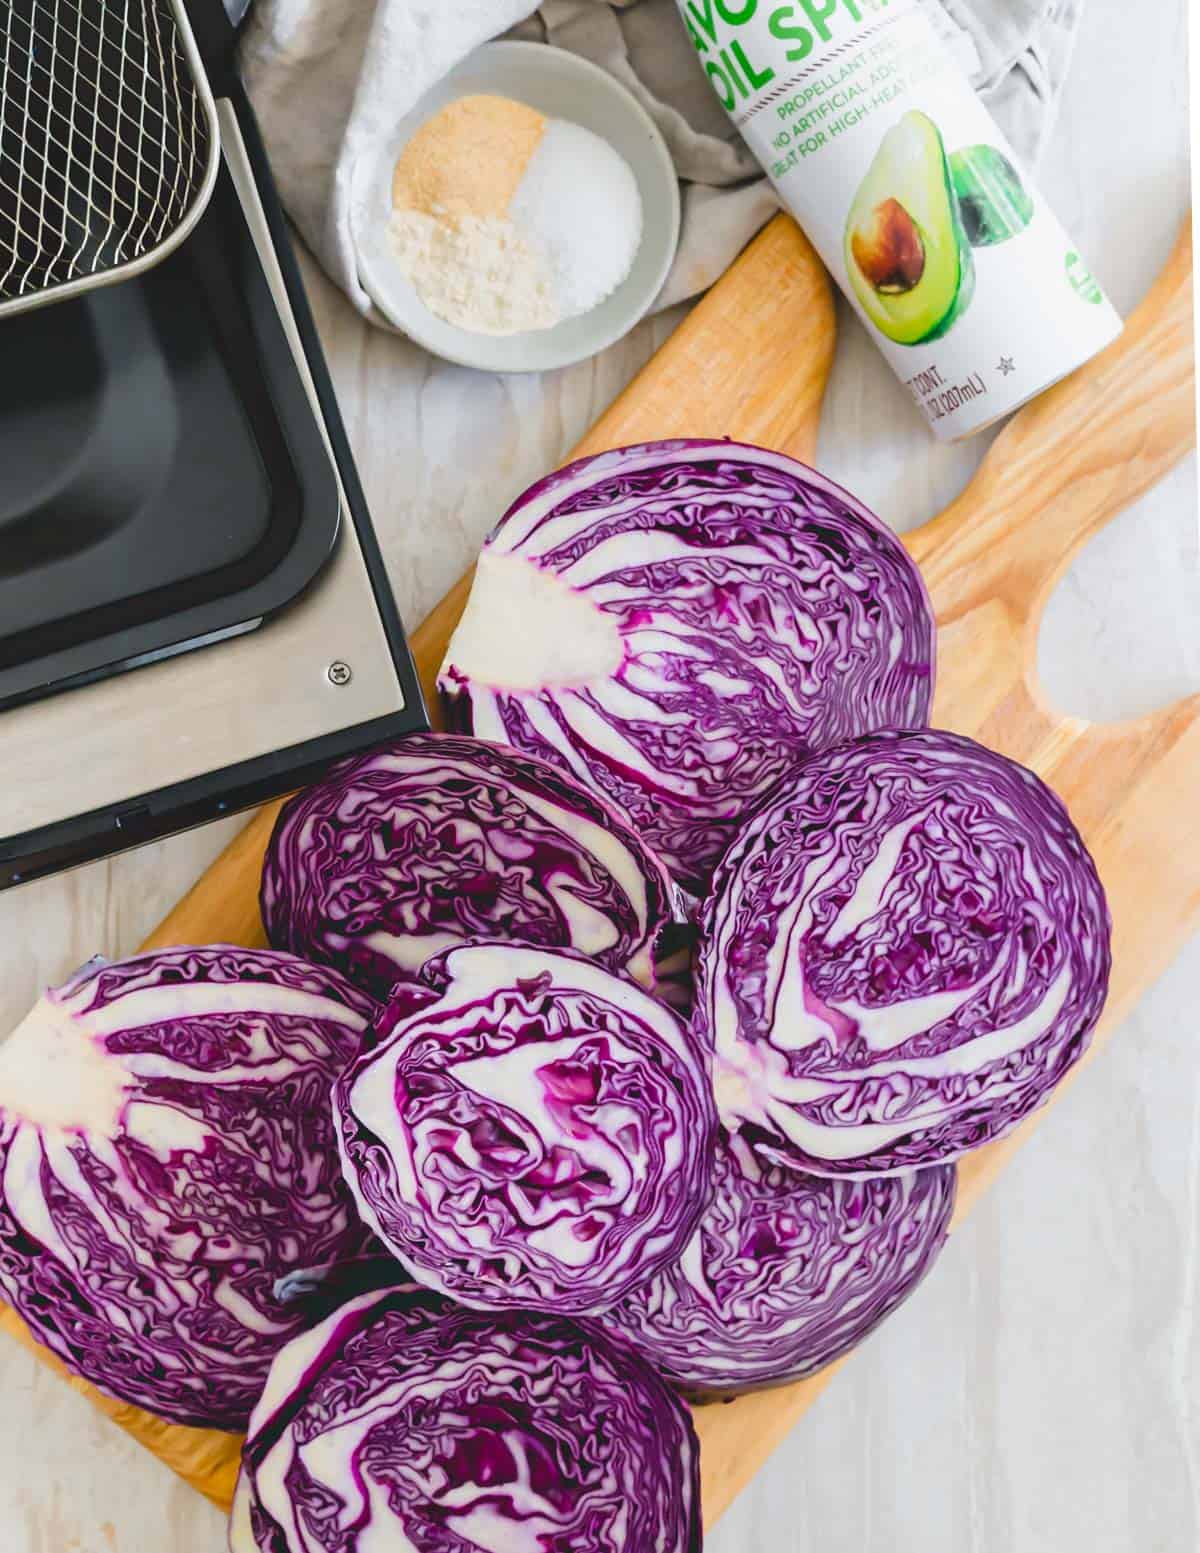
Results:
<point x="1041" y="1393"/>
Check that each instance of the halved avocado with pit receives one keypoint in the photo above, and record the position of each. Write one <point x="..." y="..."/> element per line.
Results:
<point x="906" y="250"/>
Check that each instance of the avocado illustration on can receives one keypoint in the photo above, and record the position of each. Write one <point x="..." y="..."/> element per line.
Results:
<point x="992" y="197"/>
<point x="906" y="250"/>
<point x="912" y="196"/>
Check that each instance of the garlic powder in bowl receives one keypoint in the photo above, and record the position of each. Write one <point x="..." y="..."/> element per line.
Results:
<point x="547" y="193"/>
<point x="505" y="220"/>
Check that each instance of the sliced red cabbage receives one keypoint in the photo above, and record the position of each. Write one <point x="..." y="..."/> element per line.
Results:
<point x="391" y="1429"/>
<point x="529" y="1130"/>
<point x="402" y="853"/>
<point x="166" y="1159"/>
<point x="678" y="623"/>
<point x="903" y="954"/>
<point x="786" y="1272"/>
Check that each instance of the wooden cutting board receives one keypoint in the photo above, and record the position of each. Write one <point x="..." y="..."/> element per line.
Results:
<point x="751" y="361"/>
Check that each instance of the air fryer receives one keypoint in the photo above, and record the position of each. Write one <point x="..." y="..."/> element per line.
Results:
<point x="194" y="615"/>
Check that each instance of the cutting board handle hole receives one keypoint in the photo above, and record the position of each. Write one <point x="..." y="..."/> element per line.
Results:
<point x="1139" y="650"/>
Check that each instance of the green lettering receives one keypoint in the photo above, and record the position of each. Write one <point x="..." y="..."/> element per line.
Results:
<point x="721" y="85"/>
<point x="732" y="16"/>
<point x="782" y="24"/>
<point x="698" y="42"/>
<point x="818" y="13"/>
<point x="756" y="78"/>
<point x="731" y="69"/>
<point x="703" y="19"/>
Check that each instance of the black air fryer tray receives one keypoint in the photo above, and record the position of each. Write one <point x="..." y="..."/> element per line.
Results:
<point x="162" y="479"/>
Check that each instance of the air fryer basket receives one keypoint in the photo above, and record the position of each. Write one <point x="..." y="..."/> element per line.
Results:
<point x="108" y="142"/>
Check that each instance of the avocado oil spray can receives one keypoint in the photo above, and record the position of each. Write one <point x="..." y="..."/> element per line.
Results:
<point x="911" y="194"/>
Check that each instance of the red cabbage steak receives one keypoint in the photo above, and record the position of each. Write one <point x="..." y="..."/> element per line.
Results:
<point x="904" y="951"/>
<point x="785" y="1273"/>
<point x="166" y="1158"/>
<point x="392" y="1427"/>
<point x="407" y="851"/>
<point x="678" y="623"/>
<point x="530" y="1130"/>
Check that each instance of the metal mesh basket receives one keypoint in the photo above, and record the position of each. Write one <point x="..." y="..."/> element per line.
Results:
<point x="108" y="142"/>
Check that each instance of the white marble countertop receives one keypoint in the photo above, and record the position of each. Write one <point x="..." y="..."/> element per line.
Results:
<point x="1041" y="1393"/>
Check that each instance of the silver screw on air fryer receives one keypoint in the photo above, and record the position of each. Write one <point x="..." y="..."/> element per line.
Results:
<point x="339" y="673"/>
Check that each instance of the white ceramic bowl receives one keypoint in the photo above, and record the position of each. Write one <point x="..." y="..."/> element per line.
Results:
<point x="562" y="86"/>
